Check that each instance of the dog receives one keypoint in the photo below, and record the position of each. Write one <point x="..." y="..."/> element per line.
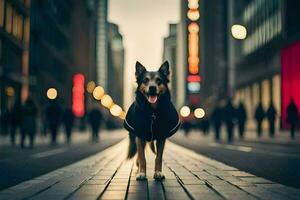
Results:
<point x="151" y="117"/>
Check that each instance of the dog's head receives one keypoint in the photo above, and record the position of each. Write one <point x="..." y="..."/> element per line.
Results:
<point x="152" y="84"/>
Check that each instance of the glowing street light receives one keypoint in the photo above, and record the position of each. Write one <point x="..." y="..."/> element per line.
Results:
<point x="107" y="101"/>
<point x="90" y="87"/>
<point x="52" y="93"/>
<point x="185" y="111"/>
<point x="98" y="92"/>
<point x="193" y="14"/>
<point x="239" y="32"/>
<point x="199" y="113"/>
<point x="115" y="110"/>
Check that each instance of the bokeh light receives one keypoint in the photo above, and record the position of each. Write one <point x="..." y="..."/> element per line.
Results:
<point x="52" y="93"/>
<point x="107" y="101"/>
<point x="239" y="31"/>
<point x="98" y="92"/>
<point x="10" y="91"/>
<point x="193" y="14"/>
<point x="199" y="113"/>
<point x="90" y="87"/>
<point x="116" y="110"/>
<point x="185" y="111"/>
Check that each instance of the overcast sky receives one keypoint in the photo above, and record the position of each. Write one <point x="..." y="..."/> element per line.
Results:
<point x="143" y="24"/>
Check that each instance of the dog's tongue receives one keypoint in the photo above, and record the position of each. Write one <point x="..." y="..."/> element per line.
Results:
<point x="152" y="99"/>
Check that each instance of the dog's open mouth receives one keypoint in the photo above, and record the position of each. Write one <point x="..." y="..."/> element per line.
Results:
<point x="152" y="98"/>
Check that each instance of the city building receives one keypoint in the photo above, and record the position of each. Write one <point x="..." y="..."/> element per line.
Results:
<point x="115" y="70"/>
<point x="14" y="52"/>
<point x="170" y="54"/>
<point x="61" y="46"/>
<point x="213" y="51"/>
<point x="266" y="62"/>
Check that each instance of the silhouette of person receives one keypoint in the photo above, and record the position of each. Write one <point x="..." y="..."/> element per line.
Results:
<point x="29" y="115"/>
<point x="68" y="120"/>
<point x="271" y="116"/>
<point x="15" y="120"/>
<point x="259" y="117"/>
<point x="216" y="118"/>
<point x="95" y="119"/>
<point x="53" y="116"/>
<point x="228" y="117"/>
<point x="241" y="118"/>
<point x="292" y="117"/>
<point x="5" y="122"/>
<point x="205" y="125"/>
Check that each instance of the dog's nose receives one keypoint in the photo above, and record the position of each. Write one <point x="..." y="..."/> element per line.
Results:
<point x="152" y="90"/>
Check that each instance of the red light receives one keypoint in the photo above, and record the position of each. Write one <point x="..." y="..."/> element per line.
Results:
<point x="78" y="95"/>
<point x="194" y="78"/>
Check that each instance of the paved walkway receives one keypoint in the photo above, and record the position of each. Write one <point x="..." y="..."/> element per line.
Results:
<point x="188" y="176"/>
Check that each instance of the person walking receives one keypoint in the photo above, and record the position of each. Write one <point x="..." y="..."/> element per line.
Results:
<point x="292" y="117"/>
<point x="241" y="118"/>
<point x="216" y="118"/>
<point x="53" y="116"/>
<point x="229" y="117"/>
<point x="29" y="116"/>
<point x="271" y="116"/>
<point x="68" y="121"/>
<point x="259" y="117"/>
<point x="95" y="119"/>
<point x="15" y="121"/>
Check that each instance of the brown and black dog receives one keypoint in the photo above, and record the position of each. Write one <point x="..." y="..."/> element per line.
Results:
<point x="151" y="117"/>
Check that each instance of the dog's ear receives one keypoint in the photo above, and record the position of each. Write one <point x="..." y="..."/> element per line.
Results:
<point x="165" y="69"/>
<point x="139" y="69"/>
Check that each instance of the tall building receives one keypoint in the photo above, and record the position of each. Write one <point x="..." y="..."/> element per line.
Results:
<point x="61" y="45"/>
<point x="188" y="54"/>
<point x="213" y="48"/>
<point x="170" y="54"/>
<point x="14" y="52"/>
<point x="115" y="70"/>
<point x="101" y="43"/>
<point x="266" y="63"/>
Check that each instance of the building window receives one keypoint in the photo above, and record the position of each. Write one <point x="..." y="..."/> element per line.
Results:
<point x="8" y="18"/>
<point x="2" y="8"/>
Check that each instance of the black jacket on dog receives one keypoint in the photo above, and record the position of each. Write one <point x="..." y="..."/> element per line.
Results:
<point x="149" y="124"/>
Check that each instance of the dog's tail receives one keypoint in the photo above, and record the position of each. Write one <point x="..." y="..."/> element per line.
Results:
<point x="132" y="149"/>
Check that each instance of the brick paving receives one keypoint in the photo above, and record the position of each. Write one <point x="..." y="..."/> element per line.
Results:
<point x="188" y="176"/>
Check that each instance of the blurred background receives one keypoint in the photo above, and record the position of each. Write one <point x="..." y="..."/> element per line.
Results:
<point x="69" y="65"/>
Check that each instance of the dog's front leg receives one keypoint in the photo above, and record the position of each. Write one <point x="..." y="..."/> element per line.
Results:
<point x="141" y="159"/>
<point x="160" y="144"/>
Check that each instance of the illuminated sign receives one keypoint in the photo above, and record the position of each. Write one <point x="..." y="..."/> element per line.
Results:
<point x="78" y="95"/>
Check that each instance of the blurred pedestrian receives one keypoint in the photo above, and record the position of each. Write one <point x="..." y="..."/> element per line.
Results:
<point x="216" y="118"/>
<point x="95" y="119"/>
<point x="4" y="122"/>
<point x="229" y="117"/>
<point x="292" y="117"/>
<point x="53" y="116"/>
<point x="68" y="120"/>
<point x="271" y="116"/>
<point x="241" y="118"/>
<point x="15" y="120"/>
<point x="205" y="125"/>
<point x="259" y="117"/>
<point x="29" y="117"/>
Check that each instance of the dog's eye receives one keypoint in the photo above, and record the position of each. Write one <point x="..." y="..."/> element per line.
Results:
<point x="158" y="81"/>
<point x="146" y="80"/>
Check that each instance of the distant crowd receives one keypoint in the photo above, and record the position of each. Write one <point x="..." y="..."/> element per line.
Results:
<point x="232" y="116"/>
<point x="22" y="119"/>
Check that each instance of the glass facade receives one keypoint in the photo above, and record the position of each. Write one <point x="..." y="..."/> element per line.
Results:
<point x="263" y="19"/>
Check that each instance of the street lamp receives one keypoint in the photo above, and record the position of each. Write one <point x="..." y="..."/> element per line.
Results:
<point x="239" y="32"/>
<point x="51" y="93"/>
<point x="199" y="113"/>
<point x="185" y="111"/>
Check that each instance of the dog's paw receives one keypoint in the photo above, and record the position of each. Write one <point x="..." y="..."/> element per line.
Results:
<point x="158" y="175"/>
<point x="141" y="176"/>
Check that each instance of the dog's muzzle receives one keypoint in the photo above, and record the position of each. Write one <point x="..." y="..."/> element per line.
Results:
<point x="152" y="95"/>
